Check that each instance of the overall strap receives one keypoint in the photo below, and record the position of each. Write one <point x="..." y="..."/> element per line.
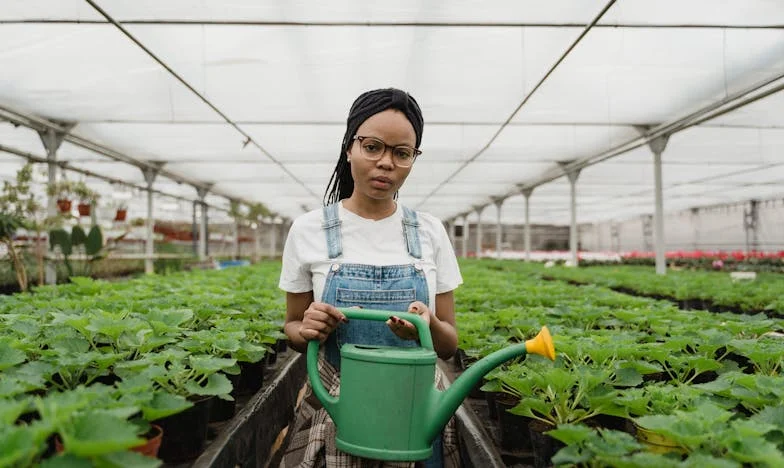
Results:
<point x="411" y="232"/>
<point x="331" y="225"/>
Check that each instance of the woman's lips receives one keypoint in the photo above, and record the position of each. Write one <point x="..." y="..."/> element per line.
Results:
<point x="381" y="182"/>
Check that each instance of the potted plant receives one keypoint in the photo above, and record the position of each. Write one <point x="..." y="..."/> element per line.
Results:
<point x="63" y="190"/>
<point x="87" y="198"/>
<point x="122" y="212"/>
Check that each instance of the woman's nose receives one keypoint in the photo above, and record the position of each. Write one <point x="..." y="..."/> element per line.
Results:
<point x="386" y="160"/>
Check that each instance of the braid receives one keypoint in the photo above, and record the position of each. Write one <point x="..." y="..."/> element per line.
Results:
<point x="341" y="184"/>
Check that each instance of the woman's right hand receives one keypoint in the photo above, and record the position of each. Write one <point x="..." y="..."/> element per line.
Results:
<point x="319" y="321"/>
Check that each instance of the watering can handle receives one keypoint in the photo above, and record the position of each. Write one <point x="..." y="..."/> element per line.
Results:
<point x="329" y="401"/>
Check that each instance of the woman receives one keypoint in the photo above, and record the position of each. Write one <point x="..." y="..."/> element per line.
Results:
<point x="363" y="249"/>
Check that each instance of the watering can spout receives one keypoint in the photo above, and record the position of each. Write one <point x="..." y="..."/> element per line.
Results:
<point x="449" y="400"/>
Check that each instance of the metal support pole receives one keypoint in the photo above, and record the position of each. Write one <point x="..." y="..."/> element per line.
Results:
<point x="479" y="230"/>
<point x="750" y="224"/>
<point x="273" y="238"/>
<point x="195" y="229"/>
<point x="464" y="250"/>
<point x="149" y="177"/>
<point x="527" y="233"/>
<point x="615" y="237"/>
<point x="201" y="192"/>
<point x="572" y="175"/>
<point x="498" y="234"/>
<point x="452" y="236"/>
<point x="695" y="226"/>
<point x="51" y="141"/>
<point x="657" y="146"/>
<point x="257" y="241"/>
<point x="237" y="250"/>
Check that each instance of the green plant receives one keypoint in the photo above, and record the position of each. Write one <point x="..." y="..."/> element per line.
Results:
<point x="91" y="243"/>
<point x="9" y="224"/>
<point x="711" y="430"/>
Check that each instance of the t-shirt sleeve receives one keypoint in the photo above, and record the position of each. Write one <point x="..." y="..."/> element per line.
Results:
<point x="448" y="275"/>
<point x="295" y="275"/>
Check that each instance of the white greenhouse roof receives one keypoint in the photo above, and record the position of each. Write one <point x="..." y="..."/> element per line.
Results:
<point x="285" y="73"/>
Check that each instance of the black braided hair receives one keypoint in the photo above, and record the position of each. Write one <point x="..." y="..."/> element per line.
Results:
<point x="368" y="104"/>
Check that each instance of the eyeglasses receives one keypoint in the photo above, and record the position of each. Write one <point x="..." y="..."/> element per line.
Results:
<point x="373" y="149"/>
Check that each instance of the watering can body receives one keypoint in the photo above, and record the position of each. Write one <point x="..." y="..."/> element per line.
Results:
<point x="389" y="407"/>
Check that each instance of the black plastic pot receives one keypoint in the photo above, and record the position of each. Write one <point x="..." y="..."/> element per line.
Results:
<point x="185" y="433"/>
<point x="492" y="406"/>
<point x="223" y="410"/>
<point x="251" y="378"/>
<point x="271" y="357"/>
<point x="542" y="445"/>
<point x="513" y="429"/>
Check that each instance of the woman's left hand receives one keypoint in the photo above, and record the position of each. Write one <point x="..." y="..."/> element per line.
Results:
<point x="405" y="329"/>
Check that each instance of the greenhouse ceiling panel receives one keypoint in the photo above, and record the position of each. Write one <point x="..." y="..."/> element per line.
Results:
<point x="250" y="98"/>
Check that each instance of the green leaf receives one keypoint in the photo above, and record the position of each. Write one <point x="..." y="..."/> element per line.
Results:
<point x="170" y="317"/>
<point x="164" y="404"/>
<point x="10" y="410"/>
<point x="16" y="444"/>
<point x="126" y="460"/>
<point x="59" y="237"/>
<point x="66" y="460"/>
<point x="94" y="241"/>
<point x="571" y="455"/>
<point x="9" y="357"/>
<point x="627" y="377"/>
<point x="78" y="236"/>
<point x="701" y="460"/>
<point x="205" y="364"/>
<point x="571" y="434"/>
<point x="97" y="433"/>
<point x="217" y="384"/>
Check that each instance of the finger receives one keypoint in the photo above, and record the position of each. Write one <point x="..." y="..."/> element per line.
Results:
<point x="417" y="307"/>
<point x="309" y="334"/>
<point x="318" y="316"/>
<point x="320" y="326"/>
<point x="331" y="310"/>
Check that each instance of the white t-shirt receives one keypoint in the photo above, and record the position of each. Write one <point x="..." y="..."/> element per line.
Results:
<point x="306" y="262"/>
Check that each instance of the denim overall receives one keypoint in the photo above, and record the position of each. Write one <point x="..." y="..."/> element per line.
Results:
<point x="391" y="288"/>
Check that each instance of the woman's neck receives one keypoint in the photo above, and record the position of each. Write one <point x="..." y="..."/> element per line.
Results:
<point x="370" y="209"/>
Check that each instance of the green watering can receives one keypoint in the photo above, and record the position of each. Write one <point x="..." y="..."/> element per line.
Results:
<point x="389" y="407"/>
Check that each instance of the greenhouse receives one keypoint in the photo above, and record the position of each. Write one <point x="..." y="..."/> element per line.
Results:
<point x="610" y="172"/>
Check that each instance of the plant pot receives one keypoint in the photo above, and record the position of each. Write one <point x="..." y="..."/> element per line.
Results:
<point x="185" y="432"/>
<point x="513" y="429"/>
<point x="223" y="410"/>
<point x="251" y="378"/>
<point x="120" y="215"/>
<point x="476" y="391"/>
<point x="149" y="449"/>
<point x="492" y="406"/>
<point x="656" y="443"/>
<point x="542" y="445"/>
<point x="84" y="209"/>
<point x="281" y="346"/>
<point x="271" y="357"/>
<point x="64" y="205"/>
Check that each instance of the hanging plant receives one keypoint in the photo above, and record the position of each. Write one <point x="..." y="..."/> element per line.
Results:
<point x="63" y="190"/>
<point x="121" y="214"/>
<point x="87" y="198"/>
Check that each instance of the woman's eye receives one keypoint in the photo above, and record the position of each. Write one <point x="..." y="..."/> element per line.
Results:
<point x="372" y="147"/>
<point x="403" y="154"/>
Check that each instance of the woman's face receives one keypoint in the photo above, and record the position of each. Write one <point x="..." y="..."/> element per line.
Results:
<point x="380" y="179"/>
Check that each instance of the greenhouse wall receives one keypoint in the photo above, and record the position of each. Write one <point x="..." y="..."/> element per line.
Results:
<point x="707" y="228"/>
<point x="543" y="237"/>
